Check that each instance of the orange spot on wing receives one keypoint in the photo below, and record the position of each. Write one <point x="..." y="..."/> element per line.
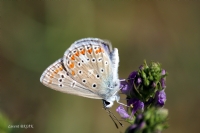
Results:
<point x="51" y="76"/>
<point x="83" y="52"/>
<point x="73" y="57"/>
<point x="97" y="51"/>
<point x="77" y="53"/>
<point x="90" y="50"/>
<point x="100" y="50"/>
<point x="73" y="73"/>
<point x="60" y="68"/>
<point x="50" y="82"/>
<point x="71" y="65"/>
<point x="56" y="71"/>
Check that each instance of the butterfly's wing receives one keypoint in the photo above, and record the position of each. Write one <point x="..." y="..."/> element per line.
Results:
<point x="56" y="77"/>
<point x="92" y="63"/>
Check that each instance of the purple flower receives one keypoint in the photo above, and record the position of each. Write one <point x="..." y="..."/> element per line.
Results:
<point x="137" y="105"/>
<point x="139" y="117"/>
<point x="132" y="76"/>
<point x="138" y="126"/>
<point x="163" y="72"/>
<point x="132" y="128"/>
<point x="139" y="80"/>
<point x="163" y="83"/>
<point x="160" y="98"/>
<point x="125" y="87"/>
<point x="122" y="112"/>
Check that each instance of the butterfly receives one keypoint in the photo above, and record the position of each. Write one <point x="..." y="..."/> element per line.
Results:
<point x="89" y="68"/>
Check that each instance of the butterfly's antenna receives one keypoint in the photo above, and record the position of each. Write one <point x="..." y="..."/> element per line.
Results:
<point x="111" y="117"/>
<point x="115" y="118"/>
<point x="111" y="114"/>
<point x="113" y="121"/>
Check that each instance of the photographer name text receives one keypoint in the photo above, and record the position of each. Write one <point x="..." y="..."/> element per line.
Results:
<point x="25" y="126"/>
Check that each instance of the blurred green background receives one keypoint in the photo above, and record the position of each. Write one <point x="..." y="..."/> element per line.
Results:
<point x="36" y="33"/>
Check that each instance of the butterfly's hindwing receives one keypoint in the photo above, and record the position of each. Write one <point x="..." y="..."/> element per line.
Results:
<point x="92" y="59"/>
<point x="57" y="78"/>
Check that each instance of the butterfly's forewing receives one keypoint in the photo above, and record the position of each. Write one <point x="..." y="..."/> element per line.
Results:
<point x="92" y="63"/>
<point x="56" y="77"/>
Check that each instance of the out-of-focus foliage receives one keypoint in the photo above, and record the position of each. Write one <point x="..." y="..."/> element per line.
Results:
<point x="4" y="124"/>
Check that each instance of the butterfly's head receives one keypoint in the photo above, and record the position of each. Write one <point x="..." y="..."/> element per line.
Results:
<point x="109" y="102"/>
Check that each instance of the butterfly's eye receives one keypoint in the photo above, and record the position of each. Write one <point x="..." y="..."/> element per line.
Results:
<point x="107" y="104"/>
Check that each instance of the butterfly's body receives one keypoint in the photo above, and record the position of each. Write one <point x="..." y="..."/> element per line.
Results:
<point x="89" y="68"/>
